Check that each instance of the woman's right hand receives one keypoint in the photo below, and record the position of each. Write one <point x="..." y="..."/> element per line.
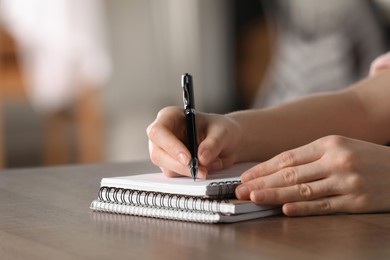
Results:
<point x="219" y="137"/>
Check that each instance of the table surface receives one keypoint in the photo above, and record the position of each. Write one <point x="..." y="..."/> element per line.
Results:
<point x="44" y="214"/>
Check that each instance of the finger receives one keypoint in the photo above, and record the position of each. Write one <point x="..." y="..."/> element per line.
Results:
<point x="217" y="149"/>
<point x="289" y="176"/>
<point x="170" y="166"/>
<point x="210" y="148"/>
<point x="215" y="165"/>
<point x="161" y="136"/>
<point x="321" y="206"/>
<point x="301" y="155"/>
<point x="300" y="192"/>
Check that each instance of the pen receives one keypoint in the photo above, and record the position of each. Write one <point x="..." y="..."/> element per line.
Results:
<point x="189" y="110"/>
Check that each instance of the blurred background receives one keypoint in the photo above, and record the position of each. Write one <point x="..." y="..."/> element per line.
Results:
<point x="81" y="80"/>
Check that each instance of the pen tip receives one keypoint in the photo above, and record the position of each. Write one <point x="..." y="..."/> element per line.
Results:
<point x="194" y="168"/>
<point x="193" y="174"/>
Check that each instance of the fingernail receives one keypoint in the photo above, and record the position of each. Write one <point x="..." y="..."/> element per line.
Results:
<point x="258" y="196"/>
<point x="290" y="210"/>
<point x="183" y="159"/>
<point x="242" y="192"/>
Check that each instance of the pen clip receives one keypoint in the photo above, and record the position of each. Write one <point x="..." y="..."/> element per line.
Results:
<point x="188" y="100"/>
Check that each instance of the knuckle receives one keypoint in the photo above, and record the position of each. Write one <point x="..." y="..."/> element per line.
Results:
<point x="286" y="159"/>
<point x="148" y="128"/>
<point x="325" y="206"/>
<point x="355" y="182"/>
<point x="305" y="191"/>
<point x="343" y="158"/>
<point x="152" y="131"/>
<point x="333" y="140"/>
<point x="166" y="110"/>
<point x="290" y="176"/>
<point x="257" y="184"/>
<point x="346" y="159"/>
<point x="171" y="113"/>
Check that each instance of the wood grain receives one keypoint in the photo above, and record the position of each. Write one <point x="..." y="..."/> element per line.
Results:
<point x="44" y="214"/>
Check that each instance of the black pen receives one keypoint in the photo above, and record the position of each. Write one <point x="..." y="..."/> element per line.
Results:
<point x="189" y="110"/>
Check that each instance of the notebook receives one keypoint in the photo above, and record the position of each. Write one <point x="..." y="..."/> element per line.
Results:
<point x="184" y="202"/>
<point x="218" y="184"/>
<point x="154" y="195"/>
<point x="182" y="215"/>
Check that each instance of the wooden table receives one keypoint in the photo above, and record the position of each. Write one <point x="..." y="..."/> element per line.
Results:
<point x="44" y="214"/>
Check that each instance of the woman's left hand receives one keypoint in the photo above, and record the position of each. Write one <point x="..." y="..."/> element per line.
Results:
<point x="333" y="174"/>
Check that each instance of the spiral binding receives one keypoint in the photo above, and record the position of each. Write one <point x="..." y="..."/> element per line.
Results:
<point x="167" y="200"/>
<point x="155" y="212"/>
<point x="226" y="188"/>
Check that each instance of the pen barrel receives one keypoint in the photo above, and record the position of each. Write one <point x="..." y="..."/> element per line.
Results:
<point x="192" y="141"/>
<point x="189" y="109"/>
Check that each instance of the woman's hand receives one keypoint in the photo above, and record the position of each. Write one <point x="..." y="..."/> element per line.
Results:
<point x="330" y="175"/>
<point x="218" y="136"/>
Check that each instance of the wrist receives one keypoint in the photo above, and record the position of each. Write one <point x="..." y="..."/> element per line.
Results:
<point x="241" y="137"/>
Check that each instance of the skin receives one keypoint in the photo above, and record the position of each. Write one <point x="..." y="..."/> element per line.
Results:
<point x="320" y="155"/>
<point x="332" y="174"/>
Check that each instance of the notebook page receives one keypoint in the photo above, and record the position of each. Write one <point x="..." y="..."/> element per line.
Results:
<point x="158" y="182"/>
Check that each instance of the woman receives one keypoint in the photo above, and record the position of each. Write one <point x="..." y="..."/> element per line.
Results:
<point x="322" y="154"/>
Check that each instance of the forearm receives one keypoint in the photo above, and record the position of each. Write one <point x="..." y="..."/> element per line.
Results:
<point x="360" y="111"/>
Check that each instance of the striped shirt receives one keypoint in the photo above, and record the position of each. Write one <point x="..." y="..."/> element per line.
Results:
<point x="325" y="47"/>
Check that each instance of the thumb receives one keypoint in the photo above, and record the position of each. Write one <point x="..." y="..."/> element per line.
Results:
<point x="210" y="148"/>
